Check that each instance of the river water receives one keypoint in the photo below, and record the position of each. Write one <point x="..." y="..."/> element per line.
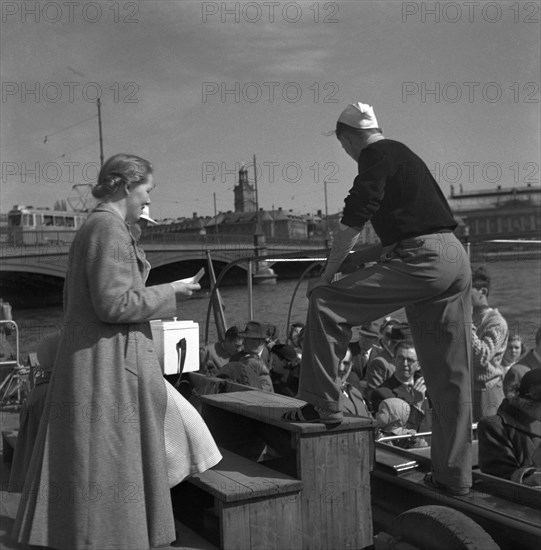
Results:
<point x="515" y="292"/>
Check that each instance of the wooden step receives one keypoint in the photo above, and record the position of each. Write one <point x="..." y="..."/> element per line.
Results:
<point x="269" y="407"/>
<point x="252" y="506"/>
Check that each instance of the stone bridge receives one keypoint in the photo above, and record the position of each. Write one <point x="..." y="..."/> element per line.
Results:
<point x="33" y="269"/>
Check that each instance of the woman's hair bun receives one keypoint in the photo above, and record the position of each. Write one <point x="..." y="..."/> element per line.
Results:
<point x="121" y="169"/>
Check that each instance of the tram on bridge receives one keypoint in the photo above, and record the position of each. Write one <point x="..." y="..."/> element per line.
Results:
<point x="42" y="226"/>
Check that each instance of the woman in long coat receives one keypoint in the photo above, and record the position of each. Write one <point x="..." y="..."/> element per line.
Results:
<point x="98" y="479"/>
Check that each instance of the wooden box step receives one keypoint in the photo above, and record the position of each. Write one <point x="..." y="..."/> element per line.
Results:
<point x="269" y="407"/>
<point x="251" y="505"/>
<point x="236" y="478"/>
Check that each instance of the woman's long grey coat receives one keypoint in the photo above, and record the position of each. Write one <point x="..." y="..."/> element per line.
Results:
<point x="97" y="478"/>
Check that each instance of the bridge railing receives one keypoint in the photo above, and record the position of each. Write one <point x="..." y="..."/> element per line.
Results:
<point x="54" y="237"/>
<point x="43" y="237"/>
<point x="209" y="240"/>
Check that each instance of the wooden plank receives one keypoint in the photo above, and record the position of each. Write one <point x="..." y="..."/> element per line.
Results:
<point x="236" y="478"/>
<point x="359" y="475"/>
<point x="263" y="526"/>
<point x="516" y="492"/>
<point x="234" y="526"/>
<point x="289" y="521"/>
<point x="269" y="408"/>
<point x="312" y="473"/>
<point x="333" y="510"/>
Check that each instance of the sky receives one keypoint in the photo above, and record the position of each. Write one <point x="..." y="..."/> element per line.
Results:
<point x="199" y="87"/>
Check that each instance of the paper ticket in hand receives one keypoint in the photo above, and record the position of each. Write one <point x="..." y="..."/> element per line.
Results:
<point x="196" y="278"/>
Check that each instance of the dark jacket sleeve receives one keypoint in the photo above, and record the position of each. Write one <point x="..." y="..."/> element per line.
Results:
<point x="496" y="452"/>
<point x="368" y="189"/>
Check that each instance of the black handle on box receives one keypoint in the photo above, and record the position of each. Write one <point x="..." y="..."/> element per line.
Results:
<point x="181" y="352"/>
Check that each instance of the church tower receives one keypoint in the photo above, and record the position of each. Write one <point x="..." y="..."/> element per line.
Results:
<point x="244" y="193"/>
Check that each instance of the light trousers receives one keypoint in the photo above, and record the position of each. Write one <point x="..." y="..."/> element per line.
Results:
<point x="431" y="277"/>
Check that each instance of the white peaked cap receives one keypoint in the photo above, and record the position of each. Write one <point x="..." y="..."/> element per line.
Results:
<point x="146" y="215"/>
<point x="359" y="115"/>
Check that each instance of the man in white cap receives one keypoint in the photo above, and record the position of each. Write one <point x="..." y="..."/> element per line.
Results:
<point x="421" y="266"/>
<point x="142" y="223"/>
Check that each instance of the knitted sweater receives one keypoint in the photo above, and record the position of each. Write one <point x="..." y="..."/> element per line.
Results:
<point x="397" y="193"/>
<point x="489" y="341"/>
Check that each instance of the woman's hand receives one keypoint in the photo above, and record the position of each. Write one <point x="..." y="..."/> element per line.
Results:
<point x="184" y="290"/>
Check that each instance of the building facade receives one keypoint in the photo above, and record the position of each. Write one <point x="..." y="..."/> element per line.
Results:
<point x="501" y="213"/>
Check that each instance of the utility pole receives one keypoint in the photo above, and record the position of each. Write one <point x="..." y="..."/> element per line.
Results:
<point x="98" y="102"/>
<point x="258" y="228"/>
<point x="255" y="185"/>
<point x="215" y="216"/>
<point x="326" y="214"/>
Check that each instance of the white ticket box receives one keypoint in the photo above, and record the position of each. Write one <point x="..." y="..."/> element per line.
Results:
<point x="168" y="336"/>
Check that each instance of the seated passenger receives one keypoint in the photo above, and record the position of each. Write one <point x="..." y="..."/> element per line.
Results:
<point x="510" y="441"/>
<point x="283" y="360"/>
<point x="32" y="411"/>
<point x="351" y="399"/>
<point x="248" y="367"/>
<point x="392" y="419"/>
<point x="532" y="359"/>
<point x="512" y="379"/>
<point x="255" y="338"/>
<point x="380" y="366"/>
<point x="514" y="351"/>
<point x="272" y="337"/>
<point x="367" y="337"/>
<point x="293" y="337"/>
<point x="213" y="357"/>
<point x="489" y="342"/>
<point x="406" y="384"/>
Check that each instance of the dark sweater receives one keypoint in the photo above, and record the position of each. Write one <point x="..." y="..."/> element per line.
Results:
<point x="397" y="193"/>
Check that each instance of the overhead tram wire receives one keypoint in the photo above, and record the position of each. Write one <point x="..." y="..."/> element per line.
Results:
<point x="69" y="153"/>
<point x="100" y="133"/>
<point x="46" y="139"/>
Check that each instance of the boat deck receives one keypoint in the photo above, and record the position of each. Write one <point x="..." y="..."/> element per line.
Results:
<point x="9" y="502"/>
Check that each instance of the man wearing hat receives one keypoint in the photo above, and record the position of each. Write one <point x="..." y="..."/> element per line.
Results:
<point x="510" y="441"/>
<point x="420" y="265"/>
<point x="369" y="343"/>
<point x="250" y="365"/>
<point x="255" y="336"/>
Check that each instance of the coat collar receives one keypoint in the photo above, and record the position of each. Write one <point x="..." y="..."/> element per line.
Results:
<point x="144" y="266"/>
<point x="107" y="207"/>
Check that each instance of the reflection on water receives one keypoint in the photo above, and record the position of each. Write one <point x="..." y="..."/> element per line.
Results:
<point x="515" y="292"/>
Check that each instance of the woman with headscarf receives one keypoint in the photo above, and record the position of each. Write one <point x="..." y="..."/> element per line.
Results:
<point x="392" y="419"/>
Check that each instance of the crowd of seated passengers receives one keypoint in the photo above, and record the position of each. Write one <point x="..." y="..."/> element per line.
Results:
<point x="510" y="440"/>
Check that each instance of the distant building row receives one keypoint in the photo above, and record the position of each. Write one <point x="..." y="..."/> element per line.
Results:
<point x="510" y="213"/>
